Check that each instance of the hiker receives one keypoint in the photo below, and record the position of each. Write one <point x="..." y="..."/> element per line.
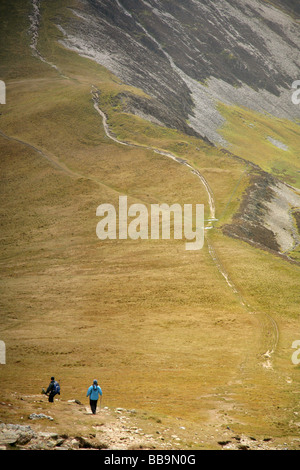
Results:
<point x="93" y="392"/>
<point x="53" y="389"/>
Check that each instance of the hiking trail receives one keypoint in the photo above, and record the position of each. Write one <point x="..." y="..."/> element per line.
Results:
<point x="269" y="325"/>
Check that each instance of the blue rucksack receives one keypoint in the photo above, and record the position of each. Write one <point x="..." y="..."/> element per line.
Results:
<point x="56" y="388"/>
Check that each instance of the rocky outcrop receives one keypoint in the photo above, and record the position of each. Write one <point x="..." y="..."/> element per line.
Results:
<point x="34" y="19"/>
<point x="16" y="436"/>
<point x="266" y="216"/>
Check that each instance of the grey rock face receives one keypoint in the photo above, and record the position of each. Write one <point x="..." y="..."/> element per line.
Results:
<point x="265" y="217"/>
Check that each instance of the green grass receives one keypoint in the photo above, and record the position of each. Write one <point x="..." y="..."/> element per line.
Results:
<point x="247" y="133"/>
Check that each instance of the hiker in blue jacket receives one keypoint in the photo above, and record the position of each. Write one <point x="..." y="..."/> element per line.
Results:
<point x="94" y="391"/>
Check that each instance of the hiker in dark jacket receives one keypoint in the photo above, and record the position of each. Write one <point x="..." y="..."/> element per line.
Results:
<point x="51" y="390"/>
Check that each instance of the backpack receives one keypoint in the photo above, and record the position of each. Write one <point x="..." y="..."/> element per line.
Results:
<point x="56" y="388"/>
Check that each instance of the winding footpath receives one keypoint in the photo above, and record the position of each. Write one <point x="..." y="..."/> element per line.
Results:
<point x="96" y="95"/>
<point x="268" y="324"/>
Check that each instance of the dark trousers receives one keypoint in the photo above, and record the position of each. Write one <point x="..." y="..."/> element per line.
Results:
<point x="51" y="396"/>
<point x="93" y="404"/>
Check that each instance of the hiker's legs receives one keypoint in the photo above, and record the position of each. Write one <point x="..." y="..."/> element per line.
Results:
<point x="93" y="404"/>
<point x="51" y="397"/>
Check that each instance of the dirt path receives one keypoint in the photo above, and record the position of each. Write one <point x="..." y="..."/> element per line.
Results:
<point x="95" y="94"/>
<point x="51" y="160"/>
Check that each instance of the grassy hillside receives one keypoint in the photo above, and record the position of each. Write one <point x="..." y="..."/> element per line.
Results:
<point x="158" y="326"/>
<point x="271" y="143"/>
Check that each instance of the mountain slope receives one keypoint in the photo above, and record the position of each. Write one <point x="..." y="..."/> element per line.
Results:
<point x="200" y="339"/>
<point x="220" y="70"/>
<point x="188" y="56"/>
